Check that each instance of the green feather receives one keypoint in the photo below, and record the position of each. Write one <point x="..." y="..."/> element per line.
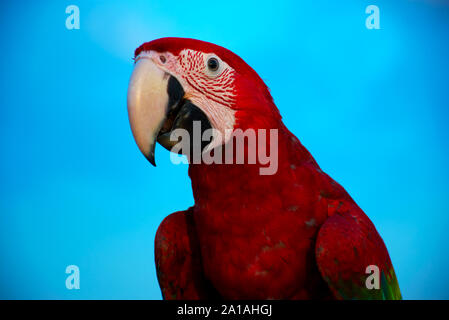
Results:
<point x="357" y="290"/>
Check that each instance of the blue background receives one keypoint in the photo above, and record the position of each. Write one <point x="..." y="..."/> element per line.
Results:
<point x="371" y="106"/>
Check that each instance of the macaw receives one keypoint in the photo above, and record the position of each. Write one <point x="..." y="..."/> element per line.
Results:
<point x="294" y="234"/>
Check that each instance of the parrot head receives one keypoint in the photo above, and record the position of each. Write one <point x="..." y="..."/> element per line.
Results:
<point x="179" y="81"/>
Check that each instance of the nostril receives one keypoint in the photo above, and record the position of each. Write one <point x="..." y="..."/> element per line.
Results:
<point x="163" y="59"/>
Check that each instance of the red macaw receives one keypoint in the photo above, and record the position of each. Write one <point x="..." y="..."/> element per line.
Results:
<point x="294" y="234"/>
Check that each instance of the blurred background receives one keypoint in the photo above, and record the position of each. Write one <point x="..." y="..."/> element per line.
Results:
<point x="371" y="106"/>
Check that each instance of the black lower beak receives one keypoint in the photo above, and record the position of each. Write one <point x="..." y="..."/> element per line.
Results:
<point x="182" y="114"/>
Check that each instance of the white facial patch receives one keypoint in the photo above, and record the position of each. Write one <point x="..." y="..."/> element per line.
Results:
<point x="211" y="91"/>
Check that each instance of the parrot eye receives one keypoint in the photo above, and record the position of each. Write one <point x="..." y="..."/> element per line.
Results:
<point x="162" y="58"/>
<point x="213" y="64"/>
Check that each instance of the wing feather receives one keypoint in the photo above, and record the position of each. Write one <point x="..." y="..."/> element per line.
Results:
<point x="347" y="244"/>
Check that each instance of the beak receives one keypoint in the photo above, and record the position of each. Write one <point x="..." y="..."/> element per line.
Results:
<point x="156" y="106"/>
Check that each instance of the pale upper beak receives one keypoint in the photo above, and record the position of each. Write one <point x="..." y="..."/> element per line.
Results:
<point x="147" y="104"/>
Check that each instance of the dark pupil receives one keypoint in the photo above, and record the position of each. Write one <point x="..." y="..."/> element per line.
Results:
<point x="212" y="64"/>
